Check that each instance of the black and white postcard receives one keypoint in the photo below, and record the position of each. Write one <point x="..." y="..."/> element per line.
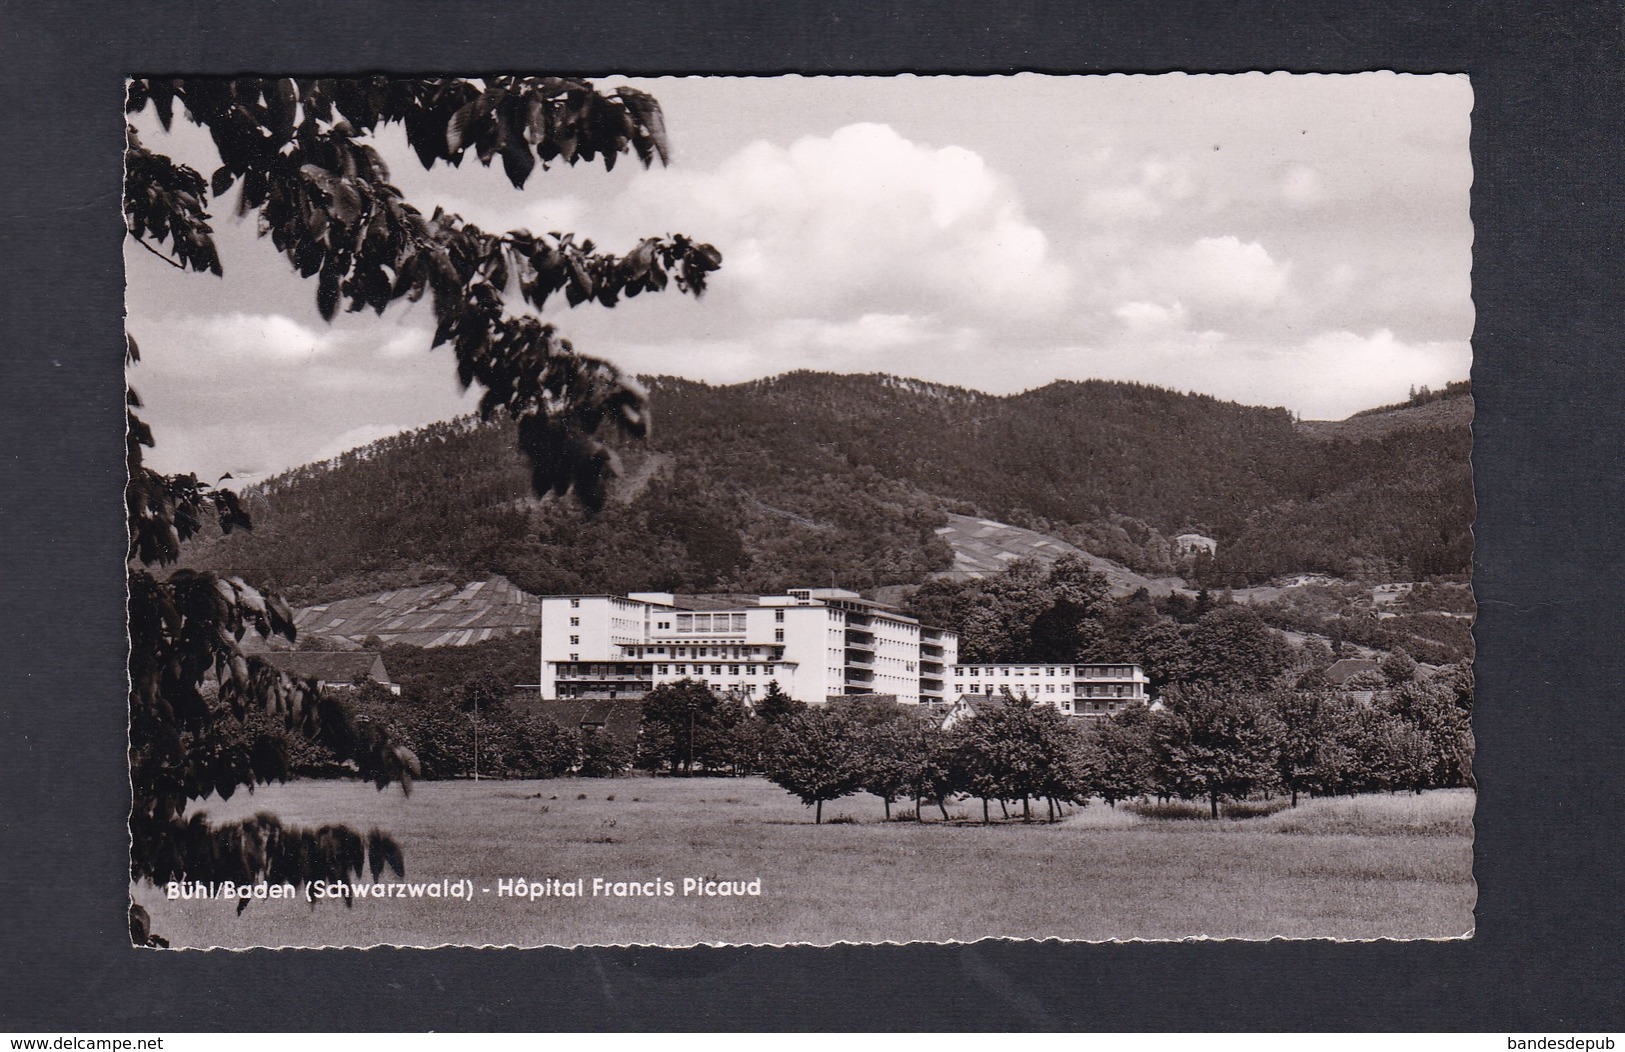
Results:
<point x="798" y="510"/>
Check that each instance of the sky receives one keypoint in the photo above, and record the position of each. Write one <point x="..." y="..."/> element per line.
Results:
<point x="1276" y="240"/>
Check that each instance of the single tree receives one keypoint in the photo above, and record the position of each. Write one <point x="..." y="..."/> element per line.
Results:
<point x="1124" y="757"/>
<point x="1005" y="752"/>
<point x="776" y="706"/>
<point x="897" y="755"/>
<point x="603" y="755"/>
<point x="820" y="757"/>
<point x="1232" y="648"/>
<point x="1398" y="667"/>
<point x="933" y="771"/>
<point x="1215" y="745"/>
<point x="682" y="722"/>
<point x="1307" y="723"/>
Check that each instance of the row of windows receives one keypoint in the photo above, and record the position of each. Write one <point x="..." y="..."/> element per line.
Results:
<point x="716" y="670"/>
<point x="734" y="652"/>
<point x="995" y="670"/>
<point x="612" y="669"/>
<point x="594" y="668"/>
<point x="1091" y="691"/>
<point x="701" y="624"/>
<point x="1052" y="670"/>
<point x="989" y="688"/>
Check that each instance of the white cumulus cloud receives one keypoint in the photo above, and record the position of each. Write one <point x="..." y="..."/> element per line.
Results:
<point x="862" y="221"/>
<point x="1224" y="273"/>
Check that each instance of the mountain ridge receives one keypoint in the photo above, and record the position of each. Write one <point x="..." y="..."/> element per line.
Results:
<point x="839" y="478"/>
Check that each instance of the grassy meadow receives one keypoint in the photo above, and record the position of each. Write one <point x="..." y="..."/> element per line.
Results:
<point x="1368" y="867"/>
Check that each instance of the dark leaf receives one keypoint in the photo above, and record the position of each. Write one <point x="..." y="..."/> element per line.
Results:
<point x="457" y="130"/>
<point x="327" y="293"/>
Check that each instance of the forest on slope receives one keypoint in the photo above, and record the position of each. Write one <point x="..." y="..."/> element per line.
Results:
<point x="822" y="479"/>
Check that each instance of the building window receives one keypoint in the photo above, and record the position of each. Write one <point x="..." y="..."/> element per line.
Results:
<point x="575" y="657"/>
<point x="1049" y="688"/>
<point x="750" y="670"/>
<point x="575" y="640"/>
<point x="575" y="604"/>
<point x="733" y="670"/>
<point x="716" y="670"/>
<point x="575" y="622"/>
<point x="778" y="615"/>
<point x="778" y="635"/>
<point x="767" y="670"/>
<point x="682" y="670"/>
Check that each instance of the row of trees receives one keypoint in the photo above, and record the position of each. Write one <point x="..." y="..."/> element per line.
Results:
<point x="1203" y="744"/>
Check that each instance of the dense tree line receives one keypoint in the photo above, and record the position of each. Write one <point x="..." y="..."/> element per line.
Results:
<point x="1062" y="613"/>
<point x="1433" y="625"/>
<point x="451" y="735"/>
<point x="456" y="712"/>
<point x="1205" y="745"/>
<point x="843" y="480"/>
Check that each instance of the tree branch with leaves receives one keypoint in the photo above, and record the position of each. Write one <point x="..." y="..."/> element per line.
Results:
<point x="296" y="151"/>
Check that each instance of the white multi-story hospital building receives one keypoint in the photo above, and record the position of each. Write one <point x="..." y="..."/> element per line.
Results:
<point x="817" y="643"/>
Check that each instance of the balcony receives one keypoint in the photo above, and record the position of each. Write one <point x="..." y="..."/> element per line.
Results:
<point x="1109" y="694"/>
<point x="931" y="650"/>
<point x="598" y="692"/>
<point x="1130" y="675"/>
<point x="859" y="675"/>
<point x="858" y="656"/>
<point x="856" y="636"/>
<point x="604" y="677"/>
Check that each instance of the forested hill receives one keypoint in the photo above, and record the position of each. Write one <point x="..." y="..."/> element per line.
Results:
<point x="811" y="478"/>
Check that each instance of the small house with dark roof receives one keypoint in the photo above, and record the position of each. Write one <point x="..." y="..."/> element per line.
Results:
<point x="1340" y="672"/>
<point x="967" y="705"/>
<point x="332" y="668"/>
<point x="619" y="718"/>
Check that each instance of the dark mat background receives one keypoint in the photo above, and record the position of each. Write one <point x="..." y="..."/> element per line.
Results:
<point x="1547" y="277"/>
